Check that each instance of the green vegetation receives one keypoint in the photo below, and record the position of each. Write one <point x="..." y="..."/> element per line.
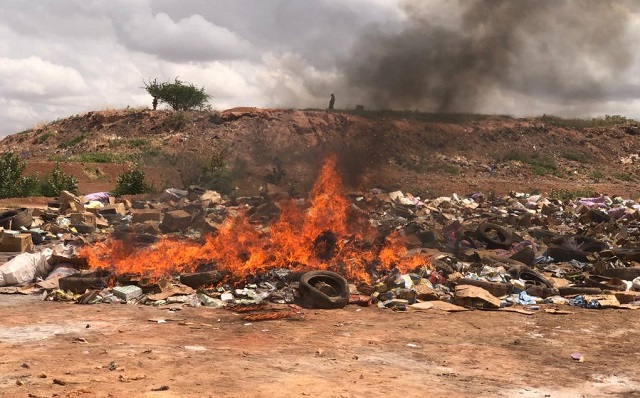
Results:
<point x="138" y="143"/>
<point x="577" y="156"/>
<point x="597" y="175"/>
<point x="11" y="168"/>
<point x="73" y="142"/>
<point x="564" y="194"/>
<point x="57" y="182"/>
<point x="132" y="182"/>
<point x="540" y="164"/>
<point x="14" y="185"/>
<point x="578" y="123"/>
<point x="43" y="138"/>
<point x="94" y="157"/>
<point x="181" y="96"/>
<point x="624" y="177"/>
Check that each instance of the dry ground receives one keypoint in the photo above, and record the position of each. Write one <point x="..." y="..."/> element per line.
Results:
<point x="115" y="351"/>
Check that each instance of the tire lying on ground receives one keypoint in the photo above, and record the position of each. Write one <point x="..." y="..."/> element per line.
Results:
<point x="494" y="235"/>
<point x="16" y="219"/>
<point x="324" y="289"/>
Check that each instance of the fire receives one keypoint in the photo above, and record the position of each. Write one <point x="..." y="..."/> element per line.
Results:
<point x="318" y="237"/>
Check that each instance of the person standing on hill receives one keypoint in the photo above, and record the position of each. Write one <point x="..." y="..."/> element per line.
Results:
<point x="332" y="101"/>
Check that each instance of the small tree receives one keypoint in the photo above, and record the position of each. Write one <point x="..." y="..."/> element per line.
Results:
<point x="11" y="168"/>
<point x="181" y="96"/>
<point x="131" y="182"/>
<point x="59" y="181"/>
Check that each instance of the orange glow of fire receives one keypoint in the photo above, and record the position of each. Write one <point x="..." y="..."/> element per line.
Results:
<point x="291" y="242"/>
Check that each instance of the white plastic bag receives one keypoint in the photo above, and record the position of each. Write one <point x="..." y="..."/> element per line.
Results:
<point x="25" y="268"/>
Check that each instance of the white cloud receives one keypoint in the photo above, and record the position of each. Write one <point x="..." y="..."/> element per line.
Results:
<point x="38" y="79"/>
<point x="64" y="57"/>
<point x="191" y="38"/>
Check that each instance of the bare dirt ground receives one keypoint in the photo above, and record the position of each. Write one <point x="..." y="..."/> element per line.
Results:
<point x="69" y="350"/>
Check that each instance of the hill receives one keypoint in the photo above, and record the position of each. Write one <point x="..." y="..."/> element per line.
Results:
<point x="426" y="154"/>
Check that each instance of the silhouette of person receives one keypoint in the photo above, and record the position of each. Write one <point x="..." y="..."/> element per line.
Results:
<point x="332" y="101"/>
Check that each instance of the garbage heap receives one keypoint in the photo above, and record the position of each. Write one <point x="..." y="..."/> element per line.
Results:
<point x="518" y="252"/>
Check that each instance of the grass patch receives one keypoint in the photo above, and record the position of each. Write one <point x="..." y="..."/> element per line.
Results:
<point x="138" y="143"/>
<point x="579" y="123"/>
<point x="597" y="175"/>
<point x="570" y="194"/>
<point x="577" y="156"/>
<point x="540" y="165"/>
<point x="624" y="177"/>
<point x="72" y="142"/>
<point x="43" y="138"/>
<point x="96" y="157"/>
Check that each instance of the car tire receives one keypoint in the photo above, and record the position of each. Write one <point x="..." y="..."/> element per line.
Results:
<point x="494" y="236"/>
<point x="317" y="297"/>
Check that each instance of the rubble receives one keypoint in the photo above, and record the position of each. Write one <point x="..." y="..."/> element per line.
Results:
<point x="523" y="251"/>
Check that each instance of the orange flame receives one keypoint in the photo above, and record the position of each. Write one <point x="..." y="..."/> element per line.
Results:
<point x="318" y="238"/>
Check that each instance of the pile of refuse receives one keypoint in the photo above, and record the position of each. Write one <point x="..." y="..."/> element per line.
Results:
<point x="518" y="252"/>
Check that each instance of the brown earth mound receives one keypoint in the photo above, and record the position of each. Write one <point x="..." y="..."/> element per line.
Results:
<point x="424" y="154"/>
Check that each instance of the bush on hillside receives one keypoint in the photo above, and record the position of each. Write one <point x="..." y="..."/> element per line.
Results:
<point x="57" y="182"/>
<point x="131" y="182"/>
<point x="11" y="168"/>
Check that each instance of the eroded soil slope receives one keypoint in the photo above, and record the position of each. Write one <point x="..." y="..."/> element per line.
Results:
<point x="432" y="157"/>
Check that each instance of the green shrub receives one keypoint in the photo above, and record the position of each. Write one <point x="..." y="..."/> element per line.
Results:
<point x="220" y="180"/>
<point x="131" y="182"/>
<point x="11" y="168"/>
<point x="57" y="182"/>
<point x="29" y="186"/>
<point x="540" y="165"/>
<point x="181" y="96"/>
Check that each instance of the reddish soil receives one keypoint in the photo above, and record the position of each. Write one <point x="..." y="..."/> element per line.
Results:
<point x="115" y="351"/>
<point x="429" y="158"/>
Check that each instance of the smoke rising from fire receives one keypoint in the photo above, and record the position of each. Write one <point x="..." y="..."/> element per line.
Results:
<point x="450" y="55"/>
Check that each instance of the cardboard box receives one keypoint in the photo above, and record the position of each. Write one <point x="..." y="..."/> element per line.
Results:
<point x="85" y="218"/>
<point x="18" y="243"/>
<point x="146" y="215"/>
<point x="118" y="208"/>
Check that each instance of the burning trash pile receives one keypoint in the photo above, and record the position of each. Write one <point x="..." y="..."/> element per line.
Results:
<point x="518" y="252"/>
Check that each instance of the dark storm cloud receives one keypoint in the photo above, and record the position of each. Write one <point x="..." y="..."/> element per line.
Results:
<point x="315" y="30"/>
<point x="563" y="50"/>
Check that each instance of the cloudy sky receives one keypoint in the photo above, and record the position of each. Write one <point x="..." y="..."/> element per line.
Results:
<point x="573" y="58"/>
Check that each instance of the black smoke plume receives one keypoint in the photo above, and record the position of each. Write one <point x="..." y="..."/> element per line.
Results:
<point x="449" y="58"/>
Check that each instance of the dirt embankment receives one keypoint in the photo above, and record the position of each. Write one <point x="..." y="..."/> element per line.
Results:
<point x="433" y="157"/>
